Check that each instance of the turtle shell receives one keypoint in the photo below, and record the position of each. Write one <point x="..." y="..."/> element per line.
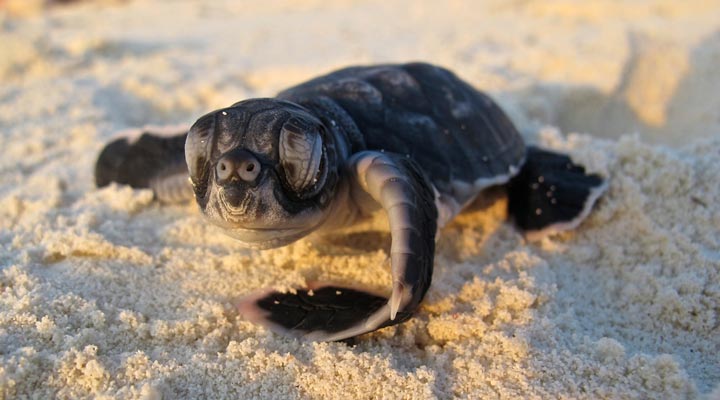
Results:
<point x="459" y="136"/>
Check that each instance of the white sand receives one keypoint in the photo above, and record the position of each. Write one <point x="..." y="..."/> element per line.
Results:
<point x="105" y="294"/>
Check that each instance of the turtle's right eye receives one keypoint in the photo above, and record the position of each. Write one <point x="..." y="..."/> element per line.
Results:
<point x="197" y="153"/>
<point x="199" y="178"/>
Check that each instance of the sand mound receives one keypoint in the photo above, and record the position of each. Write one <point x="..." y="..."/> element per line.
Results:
<point x="664" y="95"/>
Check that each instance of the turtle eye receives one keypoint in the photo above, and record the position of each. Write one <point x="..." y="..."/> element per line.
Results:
<point x="197" y="150"/>
<point x="302" y="158"/>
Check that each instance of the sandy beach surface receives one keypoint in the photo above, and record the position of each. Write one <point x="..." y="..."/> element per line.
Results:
<point x="106" y="294"/>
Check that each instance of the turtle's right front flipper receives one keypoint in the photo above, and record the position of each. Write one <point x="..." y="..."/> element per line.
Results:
<point x="331" y="312"/>
<point x="154" y="160"/>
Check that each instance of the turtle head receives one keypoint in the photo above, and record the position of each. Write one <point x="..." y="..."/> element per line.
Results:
<point x="264" y="170"/>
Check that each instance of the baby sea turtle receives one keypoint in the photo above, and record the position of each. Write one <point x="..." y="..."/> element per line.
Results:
<point x="411" y="139"/>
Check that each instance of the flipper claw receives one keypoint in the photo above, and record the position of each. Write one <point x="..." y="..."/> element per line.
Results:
<point x="398" y="293"/>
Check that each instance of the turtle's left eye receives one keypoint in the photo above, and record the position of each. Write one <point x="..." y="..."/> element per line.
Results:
<point x="302" y="158"/>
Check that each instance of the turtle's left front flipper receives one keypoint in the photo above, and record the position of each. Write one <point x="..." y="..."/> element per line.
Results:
<point x="150" y="158"/>
<point x="331" y="312"/>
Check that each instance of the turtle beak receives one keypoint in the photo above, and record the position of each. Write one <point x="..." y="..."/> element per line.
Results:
<point x="235" y="172"/>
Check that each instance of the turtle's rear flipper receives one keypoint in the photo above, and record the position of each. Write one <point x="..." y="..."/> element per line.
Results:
<point x="551" y="193"/>
<point x="154" y="160"/>
<point x="322" y="313"/>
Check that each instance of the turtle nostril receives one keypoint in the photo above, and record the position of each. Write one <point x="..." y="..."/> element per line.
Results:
<point x="224" y="170"/>
<point x="249" y="170"/>
<point x="237" y="165"/>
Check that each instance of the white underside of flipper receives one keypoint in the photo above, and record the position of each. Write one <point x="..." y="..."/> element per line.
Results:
<point x="372" y="323"/>
<point x="173" y="188"/>
<point x="133" y="134"/>
<point x="464" y="193"/>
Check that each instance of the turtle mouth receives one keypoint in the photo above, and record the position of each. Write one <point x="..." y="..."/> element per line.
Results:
<point x="255" y="225"/>
<point x="236" y="205"/>
<point x="266" y="238"/>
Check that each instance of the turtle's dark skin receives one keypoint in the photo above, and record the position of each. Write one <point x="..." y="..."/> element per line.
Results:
<point x="412" y="139"/>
